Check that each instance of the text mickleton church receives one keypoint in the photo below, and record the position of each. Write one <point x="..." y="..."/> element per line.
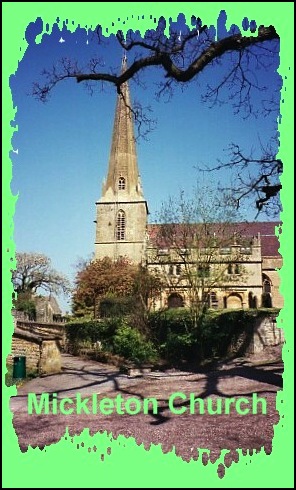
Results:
<point x="247" y="257"/>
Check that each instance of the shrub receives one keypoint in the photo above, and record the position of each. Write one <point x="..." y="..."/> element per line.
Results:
<point x="162" y="323"/>
<point x="179" y="347"/>
<point x="132" y="345"/>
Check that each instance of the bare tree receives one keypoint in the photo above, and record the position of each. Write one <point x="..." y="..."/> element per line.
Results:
<point x="34" y="272"/>
<point x="181" y="58"/>
<point x="253" y="177"/>
<point x="197" y="246"/>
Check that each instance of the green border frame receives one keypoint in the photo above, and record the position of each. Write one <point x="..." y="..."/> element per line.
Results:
<point x="62" y="465"/>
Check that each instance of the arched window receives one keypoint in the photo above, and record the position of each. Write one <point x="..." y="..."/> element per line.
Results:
<point x="236" y="269"/>
<point x="234" y="301"/>
<point x="121" y="183"/>
<point x="175" y="300"/>
<point x="120" y="225"/>
<point x="171" y="270"/>
<point x="229" y="269"/>
<point x="266" y="292"/>
<point x="178" y="269"/>
<point x="266" y="286"/>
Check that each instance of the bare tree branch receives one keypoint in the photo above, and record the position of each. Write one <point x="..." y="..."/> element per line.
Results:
<point x="34" y="272"/>
<point x="181" y="57"/>
<point x="196" y="49"/>
<point x="253" y="176"/>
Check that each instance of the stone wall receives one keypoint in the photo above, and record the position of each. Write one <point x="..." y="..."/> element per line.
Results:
<point x="266" y="334"/>
<point x="43" y="354"/>
<point x="44" y="329"/>
<point x="29" y="347"/>
<point x="50" y="360"/>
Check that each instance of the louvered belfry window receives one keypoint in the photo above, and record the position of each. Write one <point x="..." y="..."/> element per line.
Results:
<point x="120" y="225"/>
<point x="121" y="183"/>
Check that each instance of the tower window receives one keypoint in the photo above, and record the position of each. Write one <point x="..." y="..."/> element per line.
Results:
<point x="121" y="183"/>
<point x="171" y="270"/>
<point x="233" y="269"/>
<point x="120" y="225"/>
<point x="178" y="269"/>
<point x="266" y="286"/>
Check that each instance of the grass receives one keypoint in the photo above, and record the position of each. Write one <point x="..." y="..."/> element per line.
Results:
<point x="11" y="381"/>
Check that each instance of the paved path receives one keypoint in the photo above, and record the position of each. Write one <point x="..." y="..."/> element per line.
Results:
<point x="87" y="377"/>
<point x="183" y="433"/>
<point x="78" y="375"/>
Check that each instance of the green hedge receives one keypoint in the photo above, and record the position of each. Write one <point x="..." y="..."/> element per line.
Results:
<point x="162" y="323"/>
<point x="179" y="347"/>
<point x="219" y="333"/>
<point x="172" y="335"/>
<point x="115" y="336"/>
<point x="112" y="306"/>
<point x="81" y="332"/>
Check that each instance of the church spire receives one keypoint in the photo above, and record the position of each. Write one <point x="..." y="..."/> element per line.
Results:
<point x="121" y="225"/>
<point x="123" y="173"/>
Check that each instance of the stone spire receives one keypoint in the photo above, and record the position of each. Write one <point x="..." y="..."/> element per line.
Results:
<point x="123" y="173"/>
<point x="121" y="224"/>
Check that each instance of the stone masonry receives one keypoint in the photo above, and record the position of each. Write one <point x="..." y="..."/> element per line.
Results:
<point x="41" y="349"/>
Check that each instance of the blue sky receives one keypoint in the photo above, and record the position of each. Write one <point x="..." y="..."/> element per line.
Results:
<point x="61" y="148"/>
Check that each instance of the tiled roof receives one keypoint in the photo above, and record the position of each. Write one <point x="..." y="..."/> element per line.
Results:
<point x="269" y="241"/>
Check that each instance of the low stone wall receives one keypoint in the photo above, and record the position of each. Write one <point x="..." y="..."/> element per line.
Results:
<point x="260" y="334"/>
<point x="31" y="348"/>
<point x="43" y="354"/>
<point x="266" y="334"/>
<point x="44" y="329"/>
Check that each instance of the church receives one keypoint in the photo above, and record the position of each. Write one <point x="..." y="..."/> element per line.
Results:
<point x="245" y="260"/>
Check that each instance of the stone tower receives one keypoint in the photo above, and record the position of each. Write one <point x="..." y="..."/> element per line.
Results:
<point x="121" y="223"/>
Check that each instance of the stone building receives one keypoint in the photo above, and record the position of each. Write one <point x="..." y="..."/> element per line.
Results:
<point x="236" y="270"/>
<point x="47" y="309"/>
<point x="249" y="258"/>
